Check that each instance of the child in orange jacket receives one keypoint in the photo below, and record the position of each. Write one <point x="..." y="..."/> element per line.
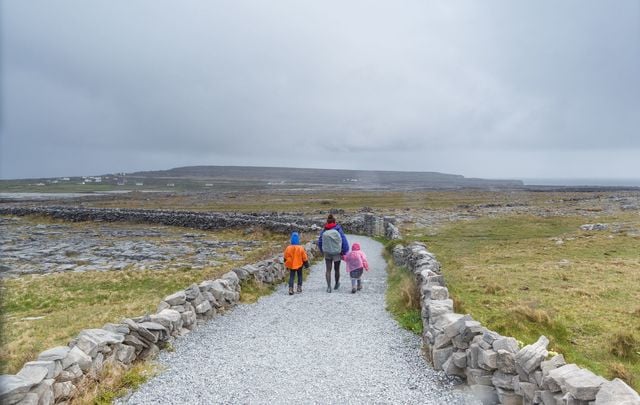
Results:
<point x="295" y="258"/>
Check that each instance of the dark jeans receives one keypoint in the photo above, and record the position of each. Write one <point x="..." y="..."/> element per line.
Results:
<point x="355" y="277"/>
<point x="292" y="275"/>
<point x="336" y="265"/>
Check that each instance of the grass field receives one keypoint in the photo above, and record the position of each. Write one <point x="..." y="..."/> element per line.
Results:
<point x="40" y="312"/>
<point x="524" y="276"/>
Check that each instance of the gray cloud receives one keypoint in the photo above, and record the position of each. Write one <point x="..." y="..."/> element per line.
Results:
<point x="497" y="89"/>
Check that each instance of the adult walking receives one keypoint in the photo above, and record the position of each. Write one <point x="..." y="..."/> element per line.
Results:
<point x="333" y="245"/>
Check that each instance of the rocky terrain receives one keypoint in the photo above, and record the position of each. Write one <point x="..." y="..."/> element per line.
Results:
<point x="28" y="247"/>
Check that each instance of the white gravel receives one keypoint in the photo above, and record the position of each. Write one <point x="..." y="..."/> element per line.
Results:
<point x="312" y="347"/>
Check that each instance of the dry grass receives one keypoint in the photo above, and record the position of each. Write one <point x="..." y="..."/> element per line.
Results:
<point x="624" y="345"/>
<point x="619" y="370"/>
<point x="114" y="381"/>
<point x="510" y="274"/>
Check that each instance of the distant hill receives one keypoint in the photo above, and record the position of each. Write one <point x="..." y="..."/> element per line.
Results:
<point x="347" y="178"/>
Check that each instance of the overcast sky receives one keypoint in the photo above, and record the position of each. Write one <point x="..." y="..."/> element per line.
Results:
<point x="498" y="89"/>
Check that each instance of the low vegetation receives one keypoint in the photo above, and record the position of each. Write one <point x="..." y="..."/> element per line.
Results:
<point x="403" y="297"/>
<point x="524" y="276"/>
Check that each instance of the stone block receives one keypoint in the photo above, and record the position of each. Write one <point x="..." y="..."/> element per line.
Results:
<point x="72" y="373"/>
<point x="30" y="399"/>
<point x="506" y="343"/>
<point x="191" y="292"/>
<point x="437" y="309"/>
<point x="203" y="307"/>
<point x="178" y="298"/>
<point x="506" y="361"/>
<point x="44" y="390"/>
<point x="548" y="398"/>
<point x="502" y="380"/>
<point x="478" y="376"/>
<point x="63" y="390"/>
<point x="56" y="353"/>
<point x="554" y="381"/>
<point x="488" y="395"/>
<point x="162" y="305"/>
<point x="168" y="318"/>
<point x="583" y="384"/>
<point x="79" y="357"/>
<point x="450" y="368"/>
<point x="125" y="354"/>
<point x="149" y="353"/>
<point x="487" y="359"/>
<point x="119" y="328"/>
<point x="530" y="357"/>
<point x="33" y="370"/>
<point x="458" y="326"/>
<point x="13" y="388"/>
<point x="439" y="293"/>
<point x="490" y="336"/>
<point x="508" y="397"/>
<point x="553" y="363"/>
<point x="91" y="341"/>
<point x="459" y="359"/>
<point x="441" y="340"/>
<point x="527" y="390"/>
<point x="440" y="356"/>
<point x="617" y="392"/>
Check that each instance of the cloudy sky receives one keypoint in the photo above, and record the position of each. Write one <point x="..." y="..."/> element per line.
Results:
<point x="498" y="89"/>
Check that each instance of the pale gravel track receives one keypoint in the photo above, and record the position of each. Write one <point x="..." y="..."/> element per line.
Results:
<point x="313" y="347"/>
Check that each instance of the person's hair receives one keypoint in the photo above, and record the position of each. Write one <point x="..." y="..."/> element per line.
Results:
<point x="331" y="219"/>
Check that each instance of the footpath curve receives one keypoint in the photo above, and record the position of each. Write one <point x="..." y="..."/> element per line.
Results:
<point x="312" y="347"/>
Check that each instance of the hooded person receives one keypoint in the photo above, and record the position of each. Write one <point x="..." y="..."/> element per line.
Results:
<point x="356" y="262"/>
<point x="333" y="244"/>
<point x="295" y="258"/>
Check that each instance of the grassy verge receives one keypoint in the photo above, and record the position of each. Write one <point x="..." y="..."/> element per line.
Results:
<point x="402" y="296"/>
<point x="524" y="276"/>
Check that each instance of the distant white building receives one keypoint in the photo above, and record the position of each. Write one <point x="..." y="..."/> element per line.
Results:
<point x="171" y="185"/>
<point x="139" y="184"/>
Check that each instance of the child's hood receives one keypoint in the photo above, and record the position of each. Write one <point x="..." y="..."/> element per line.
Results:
<point x="295" y="238"/>
<point x="355" y="246"/>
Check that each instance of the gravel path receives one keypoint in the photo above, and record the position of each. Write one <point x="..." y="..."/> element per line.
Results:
<point x="313" y="347"/>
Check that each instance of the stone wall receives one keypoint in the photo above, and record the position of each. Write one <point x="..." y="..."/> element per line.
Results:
<point x="366" y="224"/>
<point x="190" y="219"/>
<point x="495" y="367"/>
<point x="57" y="372"/>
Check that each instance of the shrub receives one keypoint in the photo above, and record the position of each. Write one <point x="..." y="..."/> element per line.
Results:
<point x="623" y="344"/>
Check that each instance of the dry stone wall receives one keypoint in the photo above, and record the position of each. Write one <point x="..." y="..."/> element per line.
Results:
<point x="495" y="367"/>
<point x="58" y="372"/>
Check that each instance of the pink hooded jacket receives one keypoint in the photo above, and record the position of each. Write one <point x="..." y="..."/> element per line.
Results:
<point x="356" y="259"/>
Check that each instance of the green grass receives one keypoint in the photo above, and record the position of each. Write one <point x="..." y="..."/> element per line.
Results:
<point x="582" y="294"/>
<point x="402" y="296"/>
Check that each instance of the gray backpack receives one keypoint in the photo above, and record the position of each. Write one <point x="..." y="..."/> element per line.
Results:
<point x="331" y="242"/>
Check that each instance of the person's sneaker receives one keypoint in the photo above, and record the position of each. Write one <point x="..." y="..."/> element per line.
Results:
<point x="290" y="290"/>
<point x="337" y="286"/>
<point x="328" y="289"/>
<point x="353" y="291"/>
<point x="359" y="287"/>
<point x="299" y="288"/>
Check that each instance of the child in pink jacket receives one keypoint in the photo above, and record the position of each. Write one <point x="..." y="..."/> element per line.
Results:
<point x="356" y="262"/>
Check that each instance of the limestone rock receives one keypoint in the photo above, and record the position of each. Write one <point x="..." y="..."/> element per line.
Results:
<point x="178" y="298"/>
<point x="555" y="362"/>
<point x="478" y="376"/>
<point x="77" y="356"/>
<point x="488" y="395"/>
<point x="555" y="380"/>
<point x="91" y="341"/>
<point x="506" y="361"/>
<point x="56" y="353"/>
<point x="32" y="370"/>
<point x="506" y="343"/>
<point x="70" y="374"/>
<point x="616" y="392"/>
<point x="13" y="388"/>
<point x="583" y="384"/>
<point x="63" y="390"/>
<point x="530" y="357"/>
<point x="440" y="356"/>
<point x="502" y="380"/>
